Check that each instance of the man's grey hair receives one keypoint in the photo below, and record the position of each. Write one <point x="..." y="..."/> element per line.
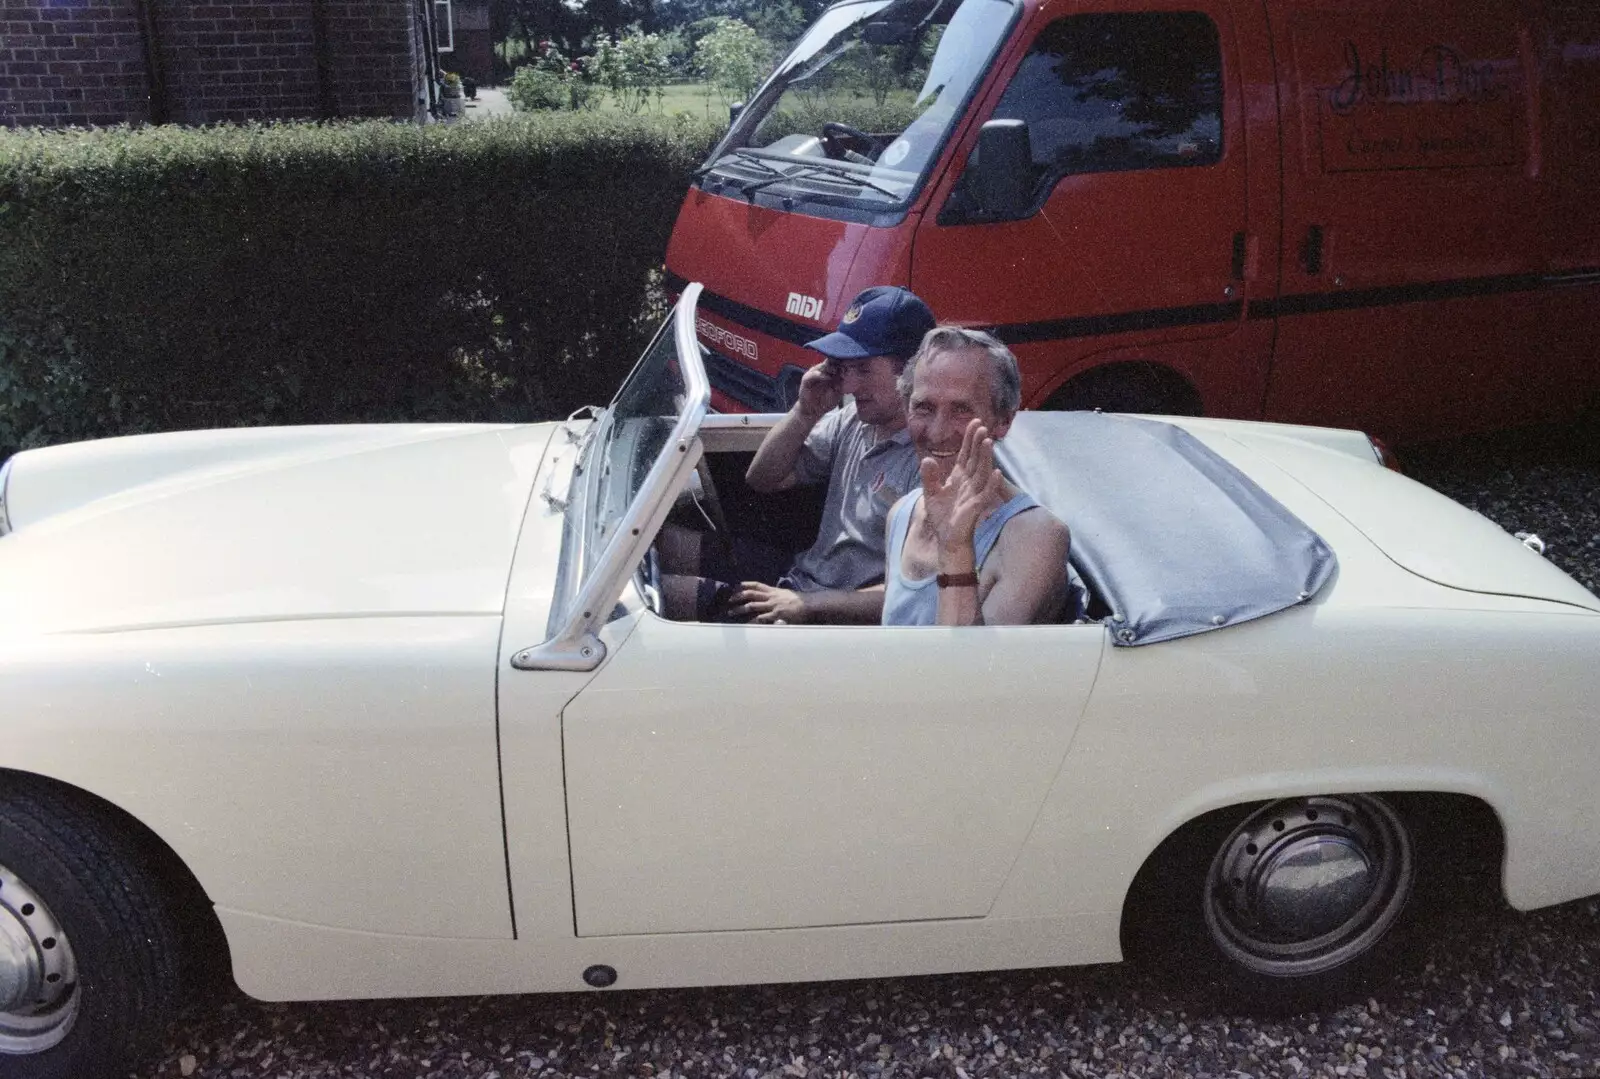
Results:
<point x="1005" y="380"/>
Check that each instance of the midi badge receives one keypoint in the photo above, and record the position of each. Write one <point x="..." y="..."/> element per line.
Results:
<point x="804" y="306"/>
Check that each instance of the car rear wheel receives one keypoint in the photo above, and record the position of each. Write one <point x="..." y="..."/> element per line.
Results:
<point x="1297" y="903"/>
<point x="88" y="949"/>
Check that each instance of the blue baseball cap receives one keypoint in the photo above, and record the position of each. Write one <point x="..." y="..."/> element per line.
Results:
<point x="884" y="320"/>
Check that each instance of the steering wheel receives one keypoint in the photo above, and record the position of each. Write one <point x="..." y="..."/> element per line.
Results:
<point x="834" y="133"/>
<point x="647" y="578"/>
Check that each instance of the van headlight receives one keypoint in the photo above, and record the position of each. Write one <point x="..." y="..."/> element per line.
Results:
<point x="5" y="483"/>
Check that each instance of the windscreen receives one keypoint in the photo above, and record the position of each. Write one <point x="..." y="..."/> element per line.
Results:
<point x="633" y="459"/>
<point x="857" y="113"/>
<point x="634" y="433"/>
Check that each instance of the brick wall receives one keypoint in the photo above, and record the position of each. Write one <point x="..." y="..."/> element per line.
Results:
<point x="237" y="61"/>
<point x="71" y="62"/>
<point x="84" y="61"/>
<point x="375" y="50"/>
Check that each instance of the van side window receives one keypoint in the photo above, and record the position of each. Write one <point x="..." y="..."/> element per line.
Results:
<point x="1118" y="92"/>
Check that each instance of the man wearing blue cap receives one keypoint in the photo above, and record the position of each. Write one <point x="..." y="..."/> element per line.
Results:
<point x="860" y="447"/>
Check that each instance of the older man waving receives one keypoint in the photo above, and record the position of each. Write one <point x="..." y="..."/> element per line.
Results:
<point x="969" y="548"/>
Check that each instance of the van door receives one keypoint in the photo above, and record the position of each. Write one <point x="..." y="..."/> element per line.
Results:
<point x="1571" y="144"/>
<point x="1140" y="244"/>
<point x="1411" y="258"/>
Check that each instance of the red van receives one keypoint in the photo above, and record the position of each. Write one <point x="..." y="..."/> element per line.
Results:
<point x="1382" y="214"/>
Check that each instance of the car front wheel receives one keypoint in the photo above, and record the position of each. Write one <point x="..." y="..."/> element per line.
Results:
<point x="1297" y="903"/>
<point x="88" y="950"/>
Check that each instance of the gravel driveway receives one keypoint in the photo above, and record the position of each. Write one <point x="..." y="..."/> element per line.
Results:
<point x="1499" y="994"/>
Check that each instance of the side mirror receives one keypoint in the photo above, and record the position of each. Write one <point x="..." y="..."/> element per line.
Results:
<point x="733" y="112"/>
<point x="999" y="174"/>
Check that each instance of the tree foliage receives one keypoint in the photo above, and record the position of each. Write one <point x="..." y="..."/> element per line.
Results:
<point x="581" y="27"/>
<point x="733" y="58"/>
<point x="634" y="68"/>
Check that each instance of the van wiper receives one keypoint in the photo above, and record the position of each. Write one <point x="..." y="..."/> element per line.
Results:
<point x="843" y="172"/>
<point x="749" y="190"/>
<point x="743" y="155"/>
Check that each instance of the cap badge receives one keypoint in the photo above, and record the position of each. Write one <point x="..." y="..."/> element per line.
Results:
<point x="852" y="314"/>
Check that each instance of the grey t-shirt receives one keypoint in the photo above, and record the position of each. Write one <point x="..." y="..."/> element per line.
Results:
<point x="866" y="476"/>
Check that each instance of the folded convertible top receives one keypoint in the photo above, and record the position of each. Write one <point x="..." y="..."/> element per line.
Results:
<point x="1171" y="536"/>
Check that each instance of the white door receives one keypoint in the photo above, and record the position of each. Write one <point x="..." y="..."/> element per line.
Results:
<point x="763" y="777"/>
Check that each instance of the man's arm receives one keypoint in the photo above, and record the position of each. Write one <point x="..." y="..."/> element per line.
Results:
<point x="765" y="603"/>
<point x="773" y="468"/>
<point x="1026" y="571"/>
<point x="1029" y="570"/>
<point x="835" y="606"/>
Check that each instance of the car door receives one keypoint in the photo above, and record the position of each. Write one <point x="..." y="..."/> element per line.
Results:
<point x="765" y="777"/>
<point x="1141" y="246"/>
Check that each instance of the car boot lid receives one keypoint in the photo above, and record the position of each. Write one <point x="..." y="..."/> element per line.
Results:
<point x="1414" y="526"/>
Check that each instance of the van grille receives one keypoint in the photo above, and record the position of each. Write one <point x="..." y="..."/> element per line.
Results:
<point x="756" y="391"/>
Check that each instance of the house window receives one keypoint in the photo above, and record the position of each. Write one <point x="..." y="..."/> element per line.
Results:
<point x="444" y="27"/>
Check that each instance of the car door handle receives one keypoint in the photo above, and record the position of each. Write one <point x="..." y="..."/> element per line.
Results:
<point x="1311" y="250"/>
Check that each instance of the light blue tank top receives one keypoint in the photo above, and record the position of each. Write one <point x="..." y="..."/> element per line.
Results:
<point x="908" y="602"/>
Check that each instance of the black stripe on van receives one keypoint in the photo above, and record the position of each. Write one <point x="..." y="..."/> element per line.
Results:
<point x="1021" y="333"/>
<point x="1195" y="315"/>
<point x="1310" y="303"/>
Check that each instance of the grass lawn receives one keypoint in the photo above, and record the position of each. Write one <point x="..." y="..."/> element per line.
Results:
<point x="689" y="97"/>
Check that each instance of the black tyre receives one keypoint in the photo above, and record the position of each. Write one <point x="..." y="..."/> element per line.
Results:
<point x="1292" y="905"/>
<point x="88" y="949"/>
<point x="1127" y="387"/>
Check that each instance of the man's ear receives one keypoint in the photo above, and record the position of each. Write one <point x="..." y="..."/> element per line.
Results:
<point x="998" y="431"/>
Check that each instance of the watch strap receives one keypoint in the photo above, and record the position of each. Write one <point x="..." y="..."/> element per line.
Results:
<point x="957" y="580"/>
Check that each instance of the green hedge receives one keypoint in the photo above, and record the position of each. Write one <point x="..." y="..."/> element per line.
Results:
<point x="166" y="278"/>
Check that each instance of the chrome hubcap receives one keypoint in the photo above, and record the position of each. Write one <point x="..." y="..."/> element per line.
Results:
<point x="1306" y="885"/>
<point x="38" y="973"/>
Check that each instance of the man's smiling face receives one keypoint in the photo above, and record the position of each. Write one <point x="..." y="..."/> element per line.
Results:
<point x="950" y="389"/>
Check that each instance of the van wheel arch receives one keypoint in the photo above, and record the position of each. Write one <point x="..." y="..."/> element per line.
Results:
<point x="1453" y="847"/>
<point x="1127" y="386"/>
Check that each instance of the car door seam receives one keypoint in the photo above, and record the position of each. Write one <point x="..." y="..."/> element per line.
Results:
<point x="1061" y="765"/>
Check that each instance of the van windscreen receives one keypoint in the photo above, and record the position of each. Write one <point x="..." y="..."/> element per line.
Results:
<point x="859" y="110"/>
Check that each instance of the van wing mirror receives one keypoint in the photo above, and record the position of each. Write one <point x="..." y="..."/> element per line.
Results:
<point x="999" y="175"/>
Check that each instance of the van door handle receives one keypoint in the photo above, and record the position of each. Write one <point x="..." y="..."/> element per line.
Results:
<point x="1238" y="256"/>
<point x="1311" y="250"/>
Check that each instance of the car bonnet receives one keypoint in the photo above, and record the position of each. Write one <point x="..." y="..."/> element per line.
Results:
<point x="380" y="521"/>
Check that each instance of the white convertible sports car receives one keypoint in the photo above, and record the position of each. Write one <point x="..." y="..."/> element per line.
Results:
<point x="390" y="710"/>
